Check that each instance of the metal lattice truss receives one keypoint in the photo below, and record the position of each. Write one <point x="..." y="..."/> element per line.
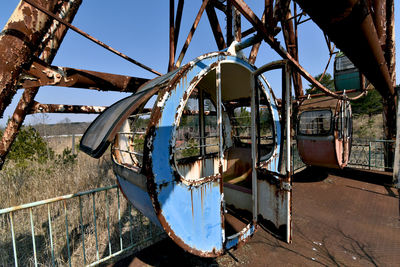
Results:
<point x="363" y="29"/>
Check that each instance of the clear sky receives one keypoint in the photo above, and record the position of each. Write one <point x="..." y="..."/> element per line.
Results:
<point x="140" y="30"/>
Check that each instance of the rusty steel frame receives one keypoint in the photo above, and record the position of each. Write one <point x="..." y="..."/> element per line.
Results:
<point x="191" y="33"/>
<point x="274" y="44"/>
<point x="19" y="40"/>
<point x="55" y="108"/>
<point x="48" y="52"/>
<point x="30" y="43"/>
<point x="42" y="74"/>
<point x="91" y="38"/>
<point x="215" y="26"/>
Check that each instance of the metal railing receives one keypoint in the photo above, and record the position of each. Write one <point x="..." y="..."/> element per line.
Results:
<point x="365" y="154"/>
<point x="370" y="154"/>
<point x="297" y="163"/>
<point x="85" y="228"/>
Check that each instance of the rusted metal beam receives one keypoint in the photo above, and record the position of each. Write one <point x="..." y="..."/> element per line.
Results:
<point x="60" y="108"/>
<point x="51" y="42"/>
<point x="42" y="74"/>
<point x="322" y="94"/>
<point x="291" y="46"/>
<point x="248" y="32"/>
<point x="254" y="52"/>
<point x="192" y="30"/>
<point x="269" y="38"/>
<point x="84" y="34"/>
<point x="389" y="111"/>
<point x="171" y="35"/>
<point x="390" y="46"/>
<point x="215" y="27"/>
<point x="396" y="167"/>
<point x="256" y="47"/>
<point x="178" y="21"/>
<point x="19" y="40"/>
<point x="350" y="26"/>
<point x="379" y="17"/>
<point x="237" y="25"/>
<point x="219" y="5"/>
<point x="229" y="23"/>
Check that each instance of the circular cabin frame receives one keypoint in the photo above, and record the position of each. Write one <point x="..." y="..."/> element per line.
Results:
<point x="194" y="198"/>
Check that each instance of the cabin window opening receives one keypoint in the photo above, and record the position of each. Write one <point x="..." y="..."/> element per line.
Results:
<point x="210" y="127"/>
<point x="130" y="138"/>
<point x="197" y="133"/>
<point x="197" y="139"/>
<point x="316" y="122"/>
<point x="343" y="63"/>
<point x="241" y="124"/>
<point x="187" y="142"/>
<point x="265" y="124"/>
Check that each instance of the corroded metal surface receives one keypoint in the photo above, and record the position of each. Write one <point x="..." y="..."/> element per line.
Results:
<point x="350" y="26"/>
<point x="91" y="38"/>
<point x="39" y="34"/>
<point x="188" y="195"/>
<point x="19" y="41"/>
<point x="50" y="44"/>
<point x="381" y="25"/>
<point x="54" y="108"/>
<point x="327" y="149"/>
<point x="41" y="74"/>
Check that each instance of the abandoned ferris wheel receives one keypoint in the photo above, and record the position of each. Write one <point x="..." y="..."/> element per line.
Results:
<point x="210" y="136"/>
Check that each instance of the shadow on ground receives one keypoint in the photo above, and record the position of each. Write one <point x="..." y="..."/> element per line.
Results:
<point x="164" y="253"/>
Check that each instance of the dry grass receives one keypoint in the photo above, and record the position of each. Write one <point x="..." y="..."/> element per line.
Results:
<point x="36" y="182"/>
<point x="365" y="127"/>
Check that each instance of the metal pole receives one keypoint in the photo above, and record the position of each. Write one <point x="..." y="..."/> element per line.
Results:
<point x="51" y="236"/>
<point x="95" y="226"/>
<point x="73" y="144"/>
<point x="33" y="237"/>
<point x="82" y="230"/>
<point x="171" y="35"/>
<point x="190" y="36"/>
<point x="219" y="125"/>
<point x="66" y="233"/>
<point x="254" y="155"/>
<point x="369" y="154"/>
<point x="202" y="123"/>
<point x="396" y="165"/>
<point x="13" y="240"/>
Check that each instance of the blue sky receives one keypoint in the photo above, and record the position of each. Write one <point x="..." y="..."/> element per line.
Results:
<point x="140" y="30"/>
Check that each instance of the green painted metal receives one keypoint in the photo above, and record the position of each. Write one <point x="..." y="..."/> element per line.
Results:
<point x="95" y="227"/>
<point x="64" y="209"/>
<point x="367" y="154"/>
<point x="13" y="240"/>
<point x="33" y="237"/>
<point x="51" y="236"/>
<point x="67" y="233"/>
<point x="108" y="223"/>
<point x="82" y="230"/>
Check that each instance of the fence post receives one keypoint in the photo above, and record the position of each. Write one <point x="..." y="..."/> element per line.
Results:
<point x="396" y="167"/>
<point x="73" y="144"/>
<point x="369" y="155"/>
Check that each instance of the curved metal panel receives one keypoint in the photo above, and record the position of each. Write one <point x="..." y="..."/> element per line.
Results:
<point x="103" y="129"/>
<point x="140" y="199"/>
<point x="191" y="215"/>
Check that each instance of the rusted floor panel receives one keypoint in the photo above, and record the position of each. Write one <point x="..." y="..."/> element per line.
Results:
<point x="342" y="218"/>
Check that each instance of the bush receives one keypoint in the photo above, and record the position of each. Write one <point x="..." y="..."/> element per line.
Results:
<point x="29" y="145"/>
<point x="66" y="158"/>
